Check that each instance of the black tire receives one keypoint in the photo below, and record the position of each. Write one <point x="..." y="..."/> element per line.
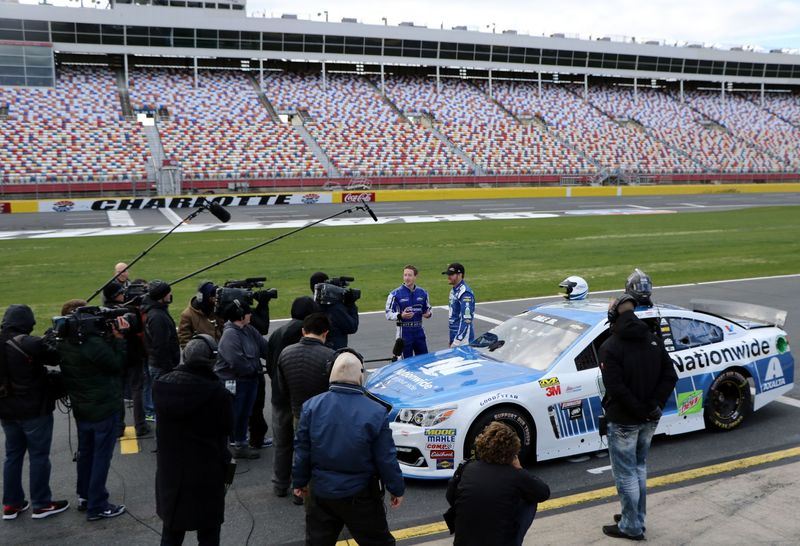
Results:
<point x="511" y="416"/>
<point x="728" y="401"/>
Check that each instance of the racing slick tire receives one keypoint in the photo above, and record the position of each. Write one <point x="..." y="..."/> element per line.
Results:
<point x="511" y="416"/>
<point x="728" y="401"/>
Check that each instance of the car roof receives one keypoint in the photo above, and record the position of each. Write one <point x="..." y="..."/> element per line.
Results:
<point x="589" y="311"/>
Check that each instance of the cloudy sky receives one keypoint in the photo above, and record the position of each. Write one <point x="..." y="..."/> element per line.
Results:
<point x="765" y="23"/>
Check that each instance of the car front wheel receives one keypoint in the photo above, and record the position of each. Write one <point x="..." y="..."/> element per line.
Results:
<point x="514" y="418"/>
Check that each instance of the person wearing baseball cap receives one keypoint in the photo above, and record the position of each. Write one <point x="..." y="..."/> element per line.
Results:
<point x="462" y="306"/>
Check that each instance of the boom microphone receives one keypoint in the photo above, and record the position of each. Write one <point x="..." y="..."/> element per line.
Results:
<point x="369" y="210"/>
<point x="217" y="210"/>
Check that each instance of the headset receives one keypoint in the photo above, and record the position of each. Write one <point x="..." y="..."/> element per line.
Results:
<point x="199" y="295"/>
<point x="236" y="310"/>
<point x="613" y="313"/>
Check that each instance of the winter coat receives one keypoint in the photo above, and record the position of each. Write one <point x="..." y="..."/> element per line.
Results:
<point x="288" y="334"/>
<point x="161" y="337"/>
<point x="194" y="412"/>
<point x="637" y="371"/>
<point x="28" y="397"/>
<point x="303" y="371"/>
<point x="92" y="373"/>
<point x="194" y="320"/>
<point x="342" y="442"/>
<point x="344" y="321"/>
<point x="240" y="352"/>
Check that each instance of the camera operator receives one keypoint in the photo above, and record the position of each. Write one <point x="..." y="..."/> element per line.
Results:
<point x="239" y="365"/>
<point x="26" y="414"/>
<point x="342" y="312"/>
<point x="161" y="337"/>
<point x="199" y="316"/>
<point x="93" y="355"/>
<point x="133" y="376"/>
<point x="257" y="426"/>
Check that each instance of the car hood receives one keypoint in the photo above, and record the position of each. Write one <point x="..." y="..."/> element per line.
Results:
<point x="445" y="376"/>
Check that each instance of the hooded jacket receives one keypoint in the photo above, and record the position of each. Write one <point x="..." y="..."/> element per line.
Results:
<point x="240" y="352"/>
<point x="195" y="320"/>
<point x="26" y="372"/>
<point x="637" y="371"/>
<point x="195" y="416"/>
<point x="161" y="337"/>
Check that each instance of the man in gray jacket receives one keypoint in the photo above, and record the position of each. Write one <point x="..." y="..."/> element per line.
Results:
<point x="241" y="349"/>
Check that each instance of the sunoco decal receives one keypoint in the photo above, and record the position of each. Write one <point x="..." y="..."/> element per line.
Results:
<point x="148" y="203"/>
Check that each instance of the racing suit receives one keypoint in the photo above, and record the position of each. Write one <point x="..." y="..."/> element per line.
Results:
<point x="416" y="300"/>
<point x="462" y="310"/>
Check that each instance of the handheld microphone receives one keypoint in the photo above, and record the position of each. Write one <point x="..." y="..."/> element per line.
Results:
<point x="217" y="210"/>
<point x="369" y="210"/>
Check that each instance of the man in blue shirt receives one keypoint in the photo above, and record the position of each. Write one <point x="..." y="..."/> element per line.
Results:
<point x="407" y="305"/>
<point x="462" y="307"/>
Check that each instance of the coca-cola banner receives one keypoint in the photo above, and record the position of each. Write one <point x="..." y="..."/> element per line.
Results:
<point x="358" y="196"/>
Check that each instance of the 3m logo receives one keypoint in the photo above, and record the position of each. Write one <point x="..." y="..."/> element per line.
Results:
<point x="555" y="390"/>
<point x="449" y="366"/>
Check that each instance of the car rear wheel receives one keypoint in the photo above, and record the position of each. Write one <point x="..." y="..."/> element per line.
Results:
<point x="728" y="401"/>
<point x="511" y="416"/>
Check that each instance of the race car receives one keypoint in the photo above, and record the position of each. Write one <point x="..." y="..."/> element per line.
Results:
<point x="538" y="372"/>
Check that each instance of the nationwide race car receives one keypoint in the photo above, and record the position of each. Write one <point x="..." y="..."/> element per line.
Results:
<point x="538" y="372"/>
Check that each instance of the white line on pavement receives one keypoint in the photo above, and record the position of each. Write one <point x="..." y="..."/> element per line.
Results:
<point x="119" y="218"/>
<point x="171" y="216"/>
<point x="640" y="207"/>
<point x="693" y="205"/>
<point x="488" y="319"/>
<point x="789" y="401"/>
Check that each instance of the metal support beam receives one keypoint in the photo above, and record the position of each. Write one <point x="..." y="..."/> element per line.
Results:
<point x="261" y="73"/>
<point x="540" y="84"/>
<point x="635" y="88"/>
<point x="195" y="71"/>
<point x="682" y="97"/>
<point x="383" y="81"/>
<point x="586" y="87"/>
<point x="324" y="78"/>
<point x="125" y="69"/>
<point x="491" y="96"/>
<point x="762" y="95"/>
<point x="438" y="82"/>
<point x="722" y="86"/>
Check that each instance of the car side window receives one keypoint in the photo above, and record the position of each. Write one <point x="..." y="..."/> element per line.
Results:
<point x="589" y="357"/>
<point x="688" y="333"/>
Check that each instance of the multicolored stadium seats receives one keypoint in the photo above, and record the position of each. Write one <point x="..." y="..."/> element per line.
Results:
<point x="72" y="133"/>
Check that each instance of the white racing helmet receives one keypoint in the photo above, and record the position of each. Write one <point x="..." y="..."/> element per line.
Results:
<point x="575" y="288"/>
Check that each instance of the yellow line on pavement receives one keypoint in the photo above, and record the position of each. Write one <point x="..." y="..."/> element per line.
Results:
<point x="608" y="492"/>
<point x="128" y="443"/>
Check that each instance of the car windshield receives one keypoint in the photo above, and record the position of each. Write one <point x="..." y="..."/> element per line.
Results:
<point x="534" y="339"/>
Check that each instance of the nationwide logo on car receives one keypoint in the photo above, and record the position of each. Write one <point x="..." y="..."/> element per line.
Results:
<point x="359" y="197"/>
<point x="310" y="198"/>
<point x="63" y="206"/>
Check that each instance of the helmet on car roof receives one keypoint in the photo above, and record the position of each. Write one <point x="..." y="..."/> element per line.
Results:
<point x="575" y="287"/>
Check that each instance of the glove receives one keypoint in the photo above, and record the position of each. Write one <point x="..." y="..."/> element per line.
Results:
<point x="655" y="414"/>
<point x="262" y="296"/>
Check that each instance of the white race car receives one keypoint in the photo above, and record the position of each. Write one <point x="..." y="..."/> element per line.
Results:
<point x="538" y="372"/>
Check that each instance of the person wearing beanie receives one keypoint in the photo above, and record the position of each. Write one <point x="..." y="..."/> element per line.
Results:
<point x="26" y="415"/>
<point x="199" y="316"/>
<point x="241" y="349"/>
<point x="346" y="460"/>
<point x="195" y="418"/>
<point x="113" y="294"/>
<point x="160" y="334"/>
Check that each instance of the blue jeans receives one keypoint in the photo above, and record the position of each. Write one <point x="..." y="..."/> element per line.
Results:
<point x="627" y="447"/>
<point x="242" y="407"/>
<point x="96" y="441"/>
<point x="151" y="375"/>
<point x="34" y="436"/>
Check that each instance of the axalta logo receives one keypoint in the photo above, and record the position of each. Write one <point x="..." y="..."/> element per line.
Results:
<point x="449" y="366"/>
<point x="774" y="376"/>
<point x="63" y="206"/>
<point x="359" y="197"/>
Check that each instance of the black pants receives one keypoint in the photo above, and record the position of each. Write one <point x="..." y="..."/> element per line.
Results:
<point x="258" y="425"/>
<point x="134" y="378"/>
<point x="205" y="537"/>
<point x="283" y="448"/>
<point x="364" y="515"/>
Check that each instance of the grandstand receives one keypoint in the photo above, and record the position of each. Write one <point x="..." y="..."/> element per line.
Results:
<point x="89" y="104"/>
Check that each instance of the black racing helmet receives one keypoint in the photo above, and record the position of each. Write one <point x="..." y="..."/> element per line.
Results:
<point x="640" y="287"/>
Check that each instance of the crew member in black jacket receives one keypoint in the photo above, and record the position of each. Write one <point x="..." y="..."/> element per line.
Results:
<point x="342" y="316"/>
<point x="639" y="377"/>
<point x="161" y="336"/>
<point x="194" y="412"/>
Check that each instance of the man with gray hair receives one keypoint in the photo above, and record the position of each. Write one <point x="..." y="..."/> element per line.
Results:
<point x="343" y="445"/>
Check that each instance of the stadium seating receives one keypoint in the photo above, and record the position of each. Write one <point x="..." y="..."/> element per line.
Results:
<point x="71" y="133"/>
<point x="359" y="132"/>
<point x="219" y="129"/>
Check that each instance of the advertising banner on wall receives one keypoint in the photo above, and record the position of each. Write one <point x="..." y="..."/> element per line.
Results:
<point x="183" y="202"/>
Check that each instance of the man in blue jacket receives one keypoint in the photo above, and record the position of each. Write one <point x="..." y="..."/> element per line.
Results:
<point x="344" y="446"/>
<point x="462" y="307"/>
<point x="407" y="305"/>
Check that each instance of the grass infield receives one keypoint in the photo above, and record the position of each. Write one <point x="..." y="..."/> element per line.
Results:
<point x="503" y="259"/>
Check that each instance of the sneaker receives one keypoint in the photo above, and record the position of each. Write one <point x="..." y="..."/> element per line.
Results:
<point x="143" y="430"/>
<point x="297" y="499"/>
<point x="267" y="442"/>
<point x="55" y="507"/>
<point x="618" y="518"/>
<point x="11" y="512"/>
<point x="613" y="531"/>
<point x="245" y="453"/>
<point x="112" y="511"/>
<point x="83" y="504"/>
<point x="150" y="418"/>
<point x="280" y="491"/>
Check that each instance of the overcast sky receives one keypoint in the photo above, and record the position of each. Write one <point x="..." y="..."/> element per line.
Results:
<point x="765" y="23"/>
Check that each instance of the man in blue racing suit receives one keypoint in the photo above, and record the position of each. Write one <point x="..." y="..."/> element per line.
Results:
<point x="462" y="307"/>
<point x="408" y="305"/>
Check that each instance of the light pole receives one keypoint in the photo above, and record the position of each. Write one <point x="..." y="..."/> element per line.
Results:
<point x="493" y="27"/>
<point x="385" y="22"/>
<point x="326" y="15"/>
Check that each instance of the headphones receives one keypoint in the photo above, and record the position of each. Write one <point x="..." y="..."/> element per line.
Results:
<point x="613" y="311"/>
<point x="210" y="342"/>
<point x="335" y="355"/>
<point x="236" y="311"/>
<point x="199" y="296"/>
